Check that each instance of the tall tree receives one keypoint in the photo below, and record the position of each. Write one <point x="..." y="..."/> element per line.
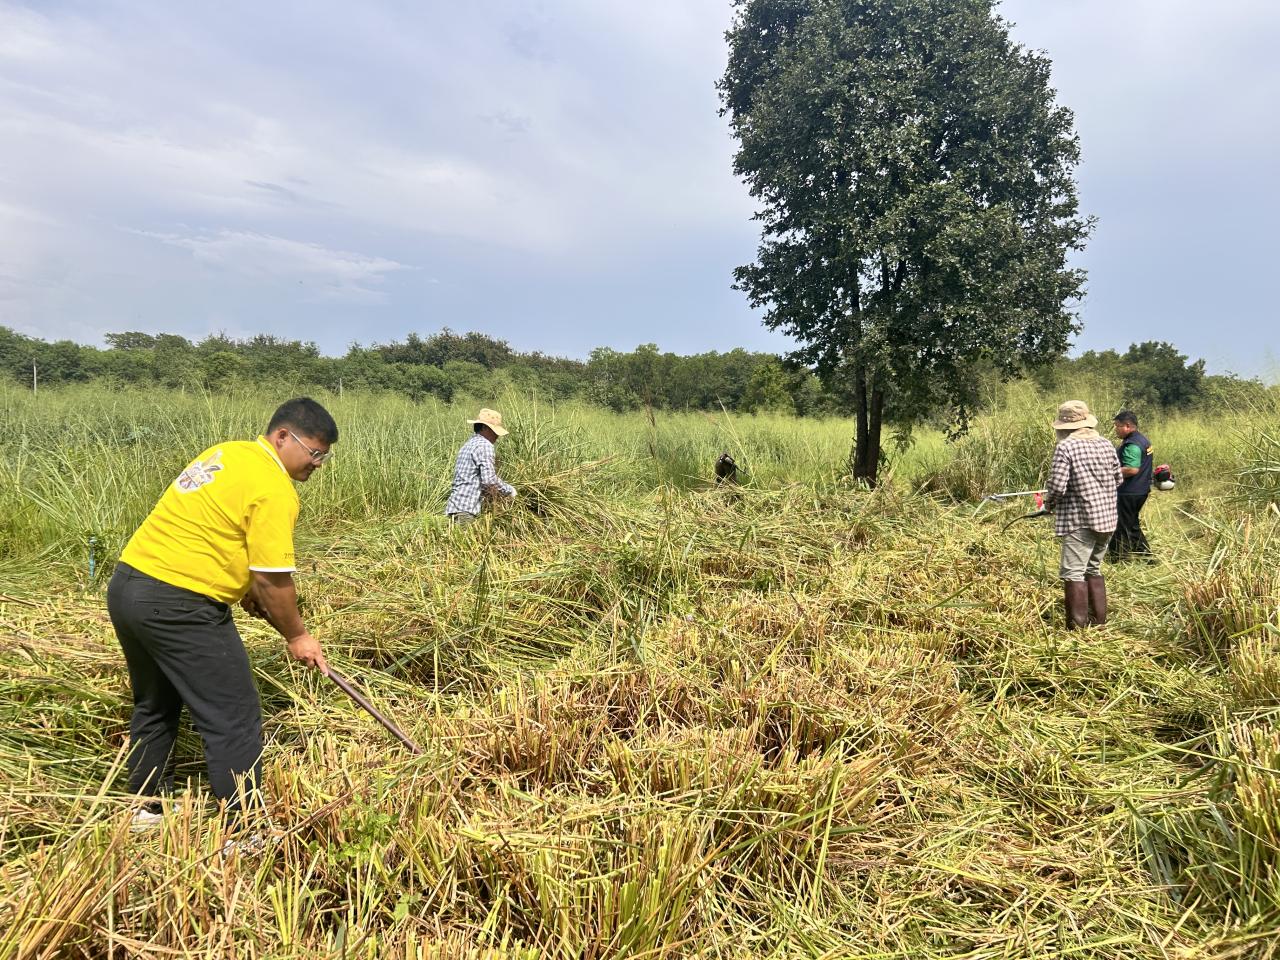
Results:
<point x="917" y="197"/>
<point x="1156" y="374"/>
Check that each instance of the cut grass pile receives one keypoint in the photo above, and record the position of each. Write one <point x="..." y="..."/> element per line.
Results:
<point x="790" y="720"/>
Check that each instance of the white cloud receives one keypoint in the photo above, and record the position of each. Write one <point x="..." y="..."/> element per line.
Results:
<point x="15" y="216"/>
<point x="602" y="146"/>
<point x="26" y="36"/>
<point x="565" y="146"/>
<point x="325" y="274"/>
<point x="26" y="236"/>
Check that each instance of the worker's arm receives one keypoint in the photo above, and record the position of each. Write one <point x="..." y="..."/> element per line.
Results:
<point x="1059" y="475"/>
<point x="1130" y="460"/>
<point x="492" y="484"/>
<point x="274" y="598"/>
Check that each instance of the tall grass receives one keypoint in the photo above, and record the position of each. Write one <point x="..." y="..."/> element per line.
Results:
<point x="1258" y="478"/>
<point x="1237" y="593"/>
<point x="90" y="462"/>
<point x="660" y="719"/>
<point x="1010" y="448"/>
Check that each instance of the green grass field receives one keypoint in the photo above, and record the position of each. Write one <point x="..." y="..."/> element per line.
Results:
<point x="660" y="719"/>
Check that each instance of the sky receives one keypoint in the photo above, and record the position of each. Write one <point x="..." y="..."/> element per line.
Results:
<point x="554" y="172"/>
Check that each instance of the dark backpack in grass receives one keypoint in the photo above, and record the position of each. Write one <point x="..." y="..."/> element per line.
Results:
<point x="726" y="469"/>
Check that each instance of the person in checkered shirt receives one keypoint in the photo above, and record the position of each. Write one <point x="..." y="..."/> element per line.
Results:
<point x="1081" y="494"/>
<point x="475" y="473"/>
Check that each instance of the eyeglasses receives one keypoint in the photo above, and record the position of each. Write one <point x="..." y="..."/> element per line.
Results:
<point x="317" y="456"/>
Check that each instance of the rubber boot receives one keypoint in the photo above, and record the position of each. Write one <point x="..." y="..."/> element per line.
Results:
<point x="1097" y="588"/>
<point x="1076" y="604"/>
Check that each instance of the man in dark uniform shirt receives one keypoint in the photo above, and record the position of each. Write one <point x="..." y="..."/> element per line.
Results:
<point x="1135" y="464"/>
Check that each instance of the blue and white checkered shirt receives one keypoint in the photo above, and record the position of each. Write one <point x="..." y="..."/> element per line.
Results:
<point x="474" y="471"/>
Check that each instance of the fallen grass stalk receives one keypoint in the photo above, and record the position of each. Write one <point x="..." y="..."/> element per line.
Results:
<point x="789" y="720"/>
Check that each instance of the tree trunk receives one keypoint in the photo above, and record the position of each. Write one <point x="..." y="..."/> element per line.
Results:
<point x="858" y="456"/>
<point x="875" y="419"/>
<point x="869" y="416"/>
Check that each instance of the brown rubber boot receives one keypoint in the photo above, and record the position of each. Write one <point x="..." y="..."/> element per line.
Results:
<point x="1097" y="588"/>
<point x="1076" y="604"/>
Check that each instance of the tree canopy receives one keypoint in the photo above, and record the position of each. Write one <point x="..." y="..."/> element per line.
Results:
<point x="917" y="198"/>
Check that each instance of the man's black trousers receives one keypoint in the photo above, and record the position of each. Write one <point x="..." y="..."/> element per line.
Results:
<point x="1129" y="539"/>
<point x="183" y="648"/>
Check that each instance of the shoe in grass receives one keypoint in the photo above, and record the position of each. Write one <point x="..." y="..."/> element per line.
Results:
<point x="151" y="815"/>
<point x="253" y="842"/>
<point x="146" y="820"/>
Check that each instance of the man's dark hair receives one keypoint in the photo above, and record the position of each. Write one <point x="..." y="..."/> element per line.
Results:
<point x="305" y="417"/>
<point x="477" y="427"/>
<point x="1126" y="416"/>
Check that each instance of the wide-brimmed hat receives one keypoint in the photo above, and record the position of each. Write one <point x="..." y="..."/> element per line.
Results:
<point x="493" y="420"/>
<point x="1074" y="415"/>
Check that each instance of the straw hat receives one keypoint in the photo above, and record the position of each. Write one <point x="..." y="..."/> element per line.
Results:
<point x="1074" y="415"/>
<point x="493" y="420"/>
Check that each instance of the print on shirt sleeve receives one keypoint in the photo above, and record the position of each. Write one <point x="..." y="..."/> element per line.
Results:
<point x="199" y="473"/>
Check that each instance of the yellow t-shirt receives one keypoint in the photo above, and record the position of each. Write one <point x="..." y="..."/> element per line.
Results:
<point x="230" y="511"/>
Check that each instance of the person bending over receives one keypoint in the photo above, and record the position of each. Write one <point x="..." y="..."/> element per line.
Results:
<point x="222" y="533"/>
<point x="475" y="473"/>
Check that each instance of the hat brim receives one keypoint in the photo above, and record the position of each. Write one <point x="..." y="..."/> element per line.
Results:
<point x="1087" y="423"/>
<point x="500" y="431"/>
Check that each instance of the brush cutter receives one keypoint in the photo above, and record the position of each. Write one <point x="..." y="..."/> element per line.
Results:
<point x="1042" y="512"/>
<point x="997" y="497"/>
<point x="349" y="689"/>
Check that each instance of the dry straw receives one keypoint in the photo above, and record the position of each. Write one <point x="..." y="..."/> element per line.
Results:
<point x="660" y="720"/>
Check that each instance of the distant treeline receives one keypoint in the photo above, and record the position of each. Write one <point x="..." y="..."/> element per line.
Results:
<point x="1153" y="376"/>
<point x="448" y="365"/>
<point x="443" y="365"/>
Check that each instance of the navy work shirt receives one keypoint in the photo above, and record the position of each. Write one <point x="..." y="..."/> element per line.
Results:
<point x="1140" y="482"/>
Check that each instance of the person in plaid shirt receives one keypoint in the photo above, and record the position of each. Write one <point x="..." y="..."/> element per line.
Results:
<point x="1081" y="493"/>
<point x="475" y="474"/>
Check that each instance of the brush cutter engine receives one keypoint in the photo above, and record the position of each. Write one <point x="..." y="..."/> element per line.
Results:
<point x="1163" y="477"/>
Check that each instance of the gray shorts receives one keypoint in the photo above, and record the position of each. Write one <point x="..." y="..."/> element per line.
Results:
<point x="1082" y="553"/>
<point x="461" y="519"/>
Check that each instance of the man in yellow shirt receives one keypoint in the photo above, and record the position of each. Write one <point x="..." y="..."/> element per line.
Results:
<point x="222" y="533"/>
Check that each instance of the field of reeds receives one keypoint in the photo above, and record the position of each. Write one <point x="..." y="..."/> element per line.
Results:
<point x="661" y="719"/>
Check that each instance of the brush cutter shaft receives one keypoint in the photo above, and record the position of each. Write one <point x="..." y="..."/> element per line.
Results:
<point x="346" y="687"/>
<point x="1005" y="496"/>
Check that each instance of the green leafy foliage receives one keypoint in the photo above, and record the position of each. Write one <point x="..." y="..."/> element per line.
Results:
<point x="445" y="366"/>
<point x="1151" y="375"/>
<point x="917" y="200"/>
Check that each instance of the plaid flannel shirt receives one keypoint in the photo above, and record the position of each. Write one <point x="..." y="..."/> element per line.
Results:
<point x="474" y="470"/>
<point x="1082" y="486"/>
